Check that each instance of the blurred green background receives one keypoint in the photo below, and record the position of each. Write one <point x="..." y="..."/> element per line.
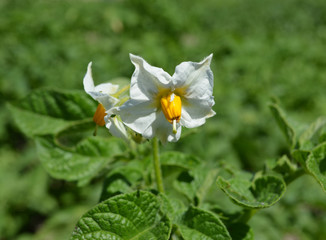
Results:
<point x="262" y="50"/>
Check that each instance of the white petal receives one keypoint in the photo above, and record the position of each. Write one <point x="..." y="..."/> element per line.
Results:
<point x="137" y="115"/>
<point x="195" y="79"/>
<point x="162" y="129"/>
<point x="106" y="100"/>
<point x="116" y="127"/>
<point x="101" y="92"/>
<point x="212" y="113"/>
<point x="107" y="88"/>
<point x="88" y="79"/>
<point x="147" y="80"/>
<point x="195" y="111"/>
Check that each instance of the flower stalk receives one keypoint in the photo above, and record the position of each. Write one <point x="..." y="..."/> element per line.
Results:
<point x="157" y="166"/>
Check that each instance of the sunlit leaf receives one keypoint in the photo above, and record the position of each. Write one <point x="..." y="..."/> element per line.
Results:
<point x="134" y="216"/>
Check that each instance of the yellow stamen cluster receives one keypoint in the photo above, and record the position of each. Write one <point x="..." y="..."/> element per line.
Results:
<point x="99" y="115"/>
<point x="171" y="107"/>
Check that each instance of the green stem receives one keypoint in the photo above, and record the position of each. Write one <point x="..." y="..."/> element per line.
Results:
<point x="247" y="214"/>
<point x="157" y="166"/>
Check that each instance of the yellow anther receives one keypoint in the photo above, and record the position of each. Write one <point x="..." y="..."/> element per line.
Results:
<point x="171" y="107"/>
<point x="99" y="115"/>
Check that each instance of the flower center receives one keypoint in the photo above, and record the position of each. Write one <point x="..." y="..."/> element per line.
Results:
<point x="99" y="115"/>
<point x="171" y="107"/>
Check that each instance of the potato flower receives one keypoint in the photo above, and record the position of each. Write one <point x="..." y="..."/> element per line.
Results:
<point x="160" y="104"/>
<point x="103" y="93"/>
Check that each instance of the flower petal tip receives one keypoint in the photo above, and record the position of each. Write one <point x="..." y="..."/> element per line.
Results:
<point x="134" y="57"/>
<point x="208" y="59"/>
<point x="212" y="113"/>
<point x="136" y="60"/>
<point x="89" y="70"/>
<point x="88" y="79"/>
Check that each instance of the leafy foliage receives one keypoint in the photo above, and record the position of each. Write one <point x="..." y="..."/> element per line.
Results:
<point x="261" y="49"/>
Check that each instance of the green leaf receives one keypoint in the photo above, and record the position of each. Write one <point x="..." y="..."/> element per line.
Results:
<point x="316" y="164"/>
<point x="179" y="159"/>
<point x="199" y="224"/>
<point x="284" y="166"/>
<point x="287" y="169"/>
<point x="134" y="216"/>
<point x="195" y="183"/>
<point x="46" y="111"/>
<point x="172" y="207"/>
<point x="83" y="161"/>
<point x="263" y="192"/>
<point x="283" y="124"/>
<point x="301" y="157"/>
<point x="123" y="179"/>
<point x="310" y="137"/>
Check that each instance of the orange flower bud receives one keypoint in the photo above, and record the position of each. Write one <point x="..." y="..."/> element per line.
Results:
<point x="99" y="115"/>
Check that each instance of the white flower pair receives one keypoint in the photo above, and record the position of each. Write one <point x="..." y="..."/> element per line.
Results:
<point x="159" y="104"/>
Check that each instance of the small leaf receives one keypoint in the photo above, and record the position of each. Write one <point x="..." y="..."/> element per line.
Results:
<point x="301" y="157"/>
<point x="284" y="166"/>
<point x="82" y="162"/>
<point x="263" y="192"/>
<point x="134" y="216"/>
<point x="46" y="111"/>
<point x="287" y="169"/>
<point x="316" y="164"/>
<point x="310" y="137"/>
<point x="283" y="124"/>
<point x="203" y="225"/>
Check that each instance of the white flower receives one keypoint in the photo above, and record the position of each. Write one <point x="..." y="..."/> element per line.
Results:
<point x="103" y="94"/>
<point x="160" y="104"/>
